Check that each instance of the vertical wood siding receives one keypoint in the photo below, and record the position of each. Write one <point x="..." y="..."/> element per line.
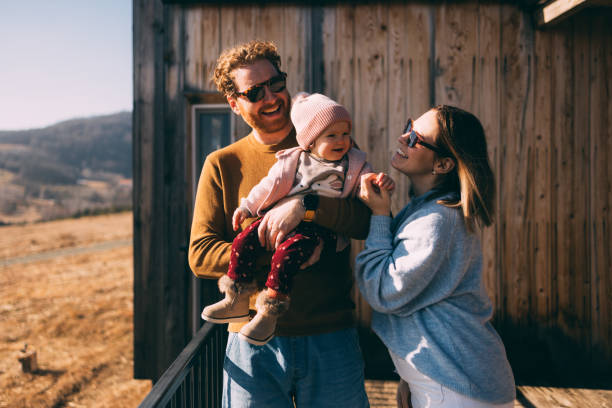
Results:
<point x="543" y="98"/>
<point x="148" y="166"/>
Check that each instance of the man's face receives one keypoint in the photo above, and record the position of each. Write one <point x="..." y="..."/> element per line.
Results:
<point x="268" y="116"/>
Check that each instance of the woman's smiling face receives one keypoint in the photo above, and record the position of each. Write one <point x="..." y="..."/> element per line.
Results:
<point x="417" y="160"/>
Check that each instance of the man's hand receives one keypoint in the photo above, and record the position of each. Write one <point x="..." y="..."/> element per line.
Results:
<point x="403" y="395"/>
<point x="279" y="221"/>
<point x="239" y="216"/>
<point x="316" y="255"/>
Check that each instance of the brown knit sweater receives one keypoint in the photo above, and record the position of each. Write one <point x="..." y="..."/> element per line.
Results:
<point x="321" y="294"/>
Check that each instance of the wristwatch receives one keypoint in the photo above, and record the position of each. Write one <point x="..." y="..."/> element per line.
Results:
<point x="310" y="203"/>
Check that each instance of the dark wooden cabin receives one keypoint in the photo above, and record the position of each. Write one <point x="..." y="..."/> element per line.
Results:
<point x="540" y="83"/>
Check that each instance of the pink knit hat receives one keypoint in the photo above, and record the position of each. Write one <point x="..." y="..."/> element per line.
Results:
<point x="312" y="114"/>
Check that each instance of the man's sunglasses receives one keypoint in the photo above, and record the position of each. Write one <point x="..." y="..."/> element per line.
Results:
<point x="257" y="92"/>
<point x="416" y="138"/>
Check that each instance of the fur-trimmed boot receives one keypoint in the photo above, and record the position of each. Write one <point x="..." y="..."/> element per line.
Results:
<point x="235" y="306"/>
<point x="261" y="329"/>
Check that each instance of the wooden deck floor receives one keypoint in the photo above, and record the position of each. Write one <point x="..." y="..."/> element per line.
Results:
<point x="529" y="397"/>
<point x="382" y="395"/>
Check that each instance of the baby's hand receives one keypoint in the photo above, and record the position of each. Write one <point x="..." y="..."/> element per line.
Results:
<point x="384" y="182"/>
<point x="239" y="216"/>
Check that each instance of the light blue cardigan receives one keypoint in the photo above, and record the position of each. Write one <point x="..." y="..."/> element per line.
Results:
<point x="422" y="274"/>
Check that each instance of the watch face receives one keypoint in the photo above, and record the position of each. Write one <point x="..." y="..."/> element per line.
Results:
<point x="311" y="201"/>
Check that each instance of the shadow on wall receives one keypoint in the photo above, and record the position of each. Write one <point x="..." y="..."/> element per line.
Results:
<point x="548" y="357"/>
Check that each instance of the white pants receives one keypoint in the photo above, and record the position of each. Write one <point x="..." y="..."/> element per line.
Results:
<point x="426" y="393"/>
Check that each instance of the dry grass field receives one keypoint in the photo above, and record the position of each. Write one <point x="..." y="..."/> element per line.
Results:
<point x="75" y="310"/>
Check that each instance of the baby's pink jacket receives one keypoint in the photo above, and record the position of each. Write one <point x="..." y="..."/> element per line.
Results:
<point x="277" y="184"/>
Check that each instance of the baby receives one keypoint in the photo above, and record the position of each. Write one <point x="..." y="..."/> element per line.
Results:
<point x="324" y="164"/>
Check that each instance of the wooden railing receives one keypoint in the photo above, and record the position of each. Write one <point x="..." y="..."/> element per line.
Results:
<point x="195" y="378"/>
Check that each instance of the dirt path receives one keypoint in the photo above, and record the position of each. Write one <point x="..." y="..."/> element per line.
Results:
<point x="22" y="240"/>
<point x="48" y="255"/>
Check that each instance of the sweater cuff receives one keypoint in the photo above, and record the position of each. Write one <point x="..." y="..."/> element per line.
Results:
<point x="380" y="230"/>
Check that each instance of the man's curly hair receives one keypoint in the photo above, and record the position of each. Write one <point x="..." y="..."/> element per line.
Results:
<point x="240" y="56"/>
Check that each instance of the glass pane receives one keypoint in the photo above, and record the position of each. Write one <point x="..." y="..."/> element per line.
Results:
<point x="213" y="131"/>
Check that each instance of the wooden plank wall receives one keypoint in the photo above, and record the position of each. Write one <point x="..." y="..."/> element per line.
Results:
<point x="148" y="166"/>
<point x="543" y="97"/>
<point x="540" y="96"/>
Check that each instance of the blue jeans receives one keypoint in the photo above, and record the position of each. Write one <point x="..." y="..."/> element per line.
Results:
<point x="324" y="370"/>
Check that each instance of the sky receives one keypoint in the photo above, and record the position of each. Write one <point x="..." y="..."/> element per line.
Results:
<point x="63" y="59"/>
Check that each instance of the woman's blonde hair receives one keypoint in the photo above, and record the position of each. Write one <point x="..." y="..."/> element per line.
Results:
<point x="462" y="136"/>
<point x="240" y="56"/>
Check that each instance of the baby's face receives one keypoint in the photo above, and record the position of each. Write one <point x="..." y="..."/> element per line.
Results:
<point x="333" y="143"/>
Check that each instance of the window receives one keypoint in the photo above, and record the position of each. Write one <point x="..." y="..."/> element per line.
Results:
<point x="212" y="130"/>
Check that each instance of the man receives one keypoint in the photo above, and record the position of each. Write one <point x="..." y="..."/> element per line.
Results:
<point x="314" y="360"/>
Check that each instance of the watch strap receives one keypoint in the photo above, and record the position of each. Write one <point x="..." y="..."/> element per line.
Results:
<point x="309" y="215"/>
<point x="310" y="203"/>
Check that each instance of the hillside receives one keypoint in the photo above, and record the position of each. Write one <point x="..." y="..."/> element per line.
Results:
<point x="71" y="167"/>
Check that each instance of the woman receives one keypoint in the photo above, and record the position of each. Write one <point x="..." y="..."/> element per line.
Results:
<point x="422" y="271"/>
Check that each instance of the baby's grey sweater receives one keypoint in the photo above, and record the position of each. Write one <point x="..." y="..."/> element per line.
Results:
<point x="422" y="274"/>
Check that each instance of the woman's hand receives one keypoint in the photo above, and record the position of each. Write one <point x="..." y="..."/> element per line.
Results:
<point x="378" y="199"/>
<point x="279" y="221"/>
<point x="239" y="216"/>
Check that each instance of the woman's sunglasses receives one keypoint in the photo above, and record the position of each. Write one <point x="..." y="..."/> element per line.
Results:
<point x="257" y="92"/>
<point x="416" y="138"/>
